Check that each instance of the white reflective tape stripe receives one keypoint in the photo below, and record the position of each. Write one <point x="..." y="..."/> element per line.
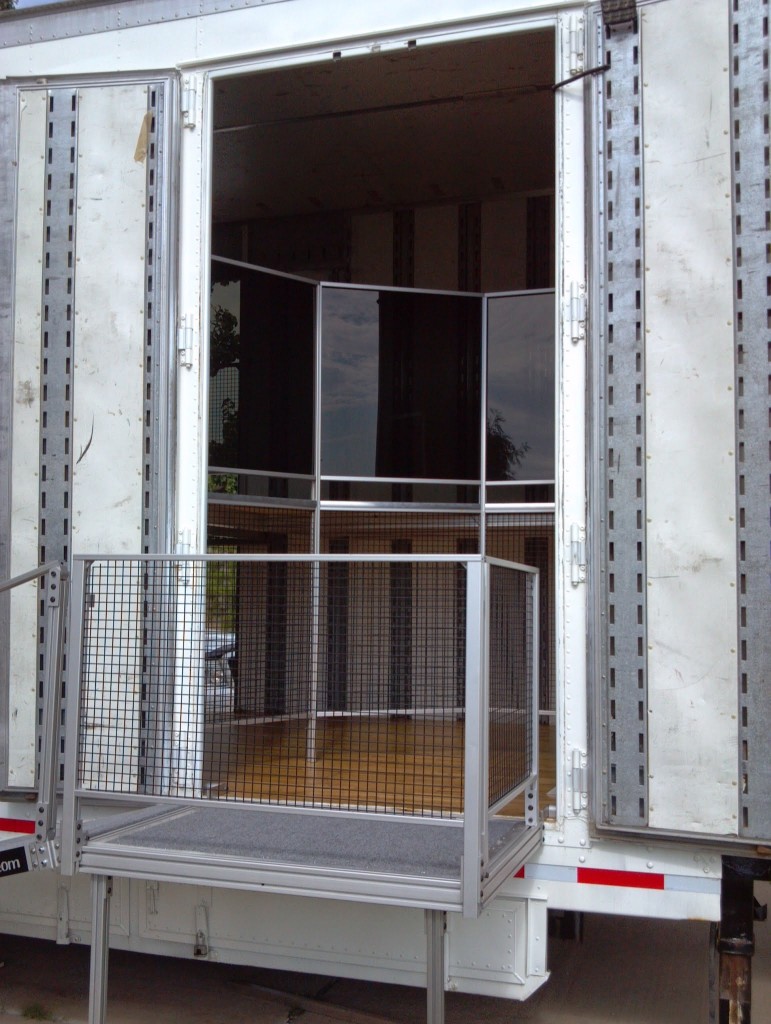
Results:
<point x="672" y="883"/>
<point x="692" y="883"/>
<point x="551" y="872"/>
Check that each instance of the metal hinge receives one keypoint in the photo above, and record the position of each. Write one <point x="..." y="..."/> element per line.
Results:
<point x="576" y="42"/>
<point x="579" y="781"/>
<point x="577" y="554"/>
<point x="576" y="312"/>
<point x="184" y="543"/>
<point x="185" y="340"/>
<point x="188" y="101"/>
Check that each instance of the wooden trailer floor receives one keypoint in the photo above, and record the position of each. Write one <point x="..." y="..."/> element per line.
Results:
<point x="401" y="764"/>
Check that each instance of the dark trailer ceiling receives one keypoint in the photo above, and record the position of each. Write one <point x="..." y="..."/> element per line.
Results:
<point x="456" y="123"/>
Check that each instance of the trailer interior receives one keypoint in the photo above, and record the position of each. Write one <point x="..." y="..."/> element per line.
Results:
<point x="381" y="382"/>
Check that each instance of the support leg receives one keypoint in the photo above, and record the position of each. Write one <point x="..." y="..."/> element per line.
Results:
<point x="435" y="926"/>
<point x="736" y="937"/>
<point x="101" y="891"/>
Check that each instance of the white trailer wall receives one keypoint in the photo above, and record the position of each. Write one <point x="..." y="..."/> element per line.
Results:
<point x="689" y="409"/>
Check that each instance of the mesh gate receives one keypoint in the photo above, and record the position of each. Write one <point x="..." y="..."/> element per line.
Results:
<point x="333" y="681"/>
<point x="512" y="642"/>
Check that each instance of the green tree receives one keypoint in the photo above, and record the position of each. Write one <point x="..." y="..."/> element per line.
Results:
<point x="503" y="456"/>
<point x="7" y="5"/>
<point x="224" y="342"/>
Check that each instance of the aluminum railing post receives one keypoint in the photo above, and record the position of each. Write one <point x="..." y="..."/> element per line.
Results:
<point x="72" y="720"/>
<point x="56" y="588"/>
<point x="474" y="782"/>
<point x="101" y="891"/>
<point x="435" y="927"/>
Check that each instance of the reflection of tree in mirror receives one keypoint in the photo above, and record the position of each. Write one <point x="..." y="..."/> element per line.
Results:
<point x="503" y="456"/>
<point x="224" y="342"/>
<point x="223" y="483"/>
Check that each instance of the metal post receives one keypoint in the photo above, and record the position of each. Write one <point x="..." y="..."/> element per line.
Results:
<point x="313" y="695"/>
<point x="475" y="761"/>
<point x="101" y="891"/>
<point x="435" y="928"/>
<point x="736" y="936"/>
<point x="55" y="602"/>
<point x="70" y="807"/>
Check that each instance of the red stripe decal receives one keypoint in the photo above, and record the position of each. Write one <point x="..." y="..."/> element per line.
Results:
<point x="17" y="825"/>
<point x="521" y="872"/>
<point x="627" y="879"/>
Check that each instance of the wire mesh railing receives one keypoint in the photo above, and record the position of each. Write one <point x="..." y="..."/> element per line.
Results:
<point x="344" y="682"/>
<point x="511" y="671"/>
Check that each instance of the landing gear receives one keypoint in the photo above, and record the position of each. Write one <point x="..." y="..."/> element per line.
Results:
<point x="736" y="937"/>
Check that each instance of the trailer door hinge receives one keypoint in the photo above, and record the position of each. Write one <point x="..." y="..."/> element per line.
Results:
<point x="184" y="543"/>
<point x="576" y="312"/>
<point x="576" y="40"/>
<point x="188" y="103"/>
<point x="577" y="554"/>
<point x="579" y="781"/>
<point x="185" y="340"/>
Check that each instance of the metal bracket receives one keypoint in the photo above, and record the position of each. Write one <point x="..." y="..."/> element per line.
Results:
<point x="152" y="891"/>
<point x="188" y="104"/>
<point x="579" y="781"/>
<point x="575" y="312"/>
<point x="63" y="914"/>
<point x="201" y="947"/>
<point x="577" y="554"/>
<point x="185" y="340"/>
<point x="44" y="856"/>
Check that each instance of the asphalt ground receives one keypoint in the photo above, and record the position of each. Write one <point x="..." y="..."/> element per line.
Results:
<point x="622" y="970"/>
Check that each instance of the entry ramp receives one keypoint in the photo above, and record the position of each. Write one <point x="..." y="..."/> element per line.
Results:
<point x="230" y="725"/>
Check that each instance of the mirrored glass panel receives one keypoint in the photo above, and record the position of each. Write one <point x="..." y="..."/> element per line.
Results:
<point x="520" y="390"/>
<point x="400" y="384"/>
<point x="261" y="371"/>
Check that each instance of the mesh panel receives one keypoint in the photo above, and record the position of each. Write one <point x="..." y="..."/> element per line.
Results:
<point x="376" y="532"/>
<point x="511" y="636"/>
<point x="338" y="684"/>
<point x="253" y="529"/>
<point x="528" y="538"/>
<point x="332" y="684"/>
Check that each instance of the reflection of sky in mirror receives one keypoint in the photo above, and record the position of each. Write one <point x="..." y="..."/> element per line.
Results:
<point x="520" y="374"/>
<point x="228" y="296"/>
<point x="349" y="381"/>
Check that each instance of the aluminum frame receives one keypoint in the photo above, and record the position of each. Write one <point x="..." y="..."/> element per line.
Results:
<point x="752" y="219"/>
<point x="318" y="478"/>
<point x="471" y="890"/>
<point x="620" y="691"/>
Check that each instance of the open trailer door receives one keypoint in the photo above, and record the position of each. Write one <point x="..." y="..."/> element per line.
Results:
<point x="86" y="273"/>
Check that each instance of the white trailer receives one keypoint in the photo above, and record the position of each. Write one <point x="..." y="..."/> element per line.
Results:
<point x="391" y="382"/>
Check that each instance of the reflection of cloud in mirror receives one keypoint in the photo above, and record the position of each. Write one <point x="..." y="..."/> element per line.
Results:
<point x="350" y="333"/>
<point x="228" y="296"/>
<point x="350" y="348"/>
<point x="521" y="377"/>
